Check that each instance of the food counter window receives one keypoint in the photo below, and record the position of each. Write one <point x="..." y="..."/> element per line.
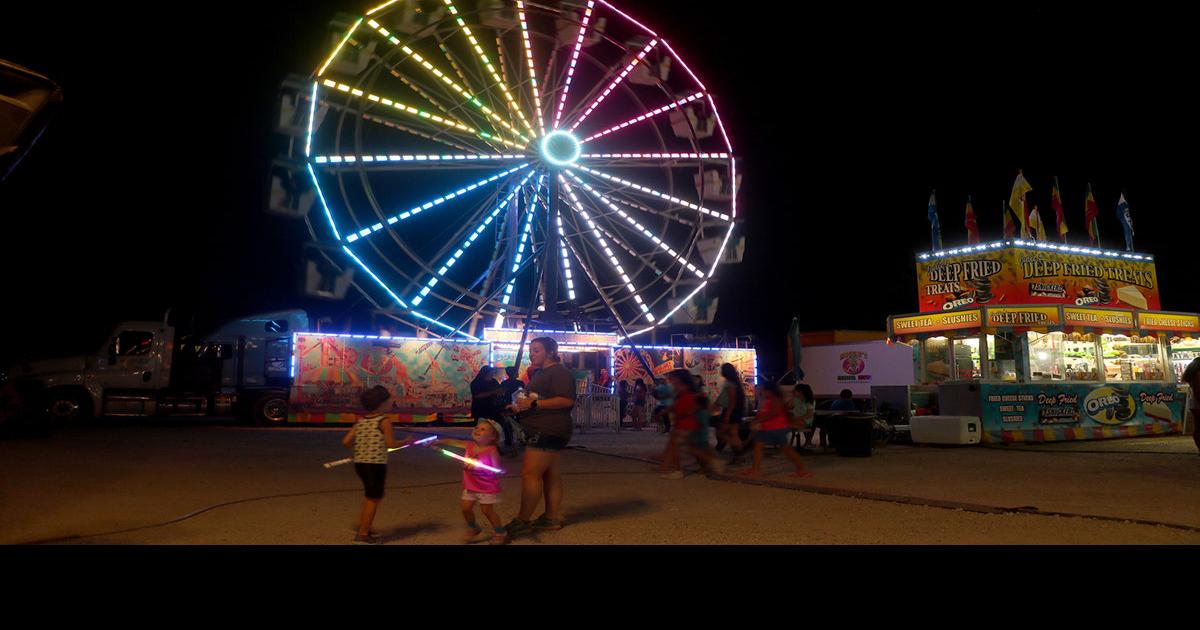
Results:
<point x="1046" y="361"/>
<point x="1079" y="353"/>
<point x="937" y="370"/>
<point x="1183" y="351"/>
<point x="1002" y="360"/>
<point x="1131" y="358"/>
<point x="966" y="359"/>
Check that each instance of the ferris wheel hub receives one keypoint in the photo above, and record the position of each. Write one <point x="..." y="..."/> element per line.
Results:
<point x="560" y="148"/>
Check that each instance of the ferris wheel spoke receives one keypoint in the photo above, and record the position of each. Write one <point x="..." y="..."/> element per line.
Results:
<point x="650" y="114"/>
<point x="612" y="85"/>
<point x="438" y="137"/>
<point x="562" y="98"/>
<point x="430" y="204"/>
<point x="670" y="313"/>
<point x="419" y="114"/>
<point x="566" y="257"/>
<point x="487" y="63"/>
<point x="533" y="82"/>
<point x="526" y="237"/>
<point x="461" y="90"/>
<point x="650" y="191"/>
<point x="603" y="243"/>
<point x="665" y="159"/>
<point x="638" y="227"/>
<point x="466" y="244"/>
<point x="409" y="161"/>
<point x="588" y="268"/>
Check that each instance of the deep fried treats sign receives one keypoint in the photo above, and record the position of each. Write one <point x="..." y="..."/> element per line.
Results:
<point x="1022" y="276"/>
<point x="424" y="377"/>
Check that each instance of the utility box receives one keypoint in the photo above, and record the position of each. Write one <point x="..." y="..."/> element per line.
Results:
<point x="959" y="430"/>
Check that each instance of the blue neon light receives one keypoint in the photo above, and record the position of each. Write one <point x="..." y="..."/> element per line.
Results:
<point x="375" y="277"/>
<point x="321" y="196"/>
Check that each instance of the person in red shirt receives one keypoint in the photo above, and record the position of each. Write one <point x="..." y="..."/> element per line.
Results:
<point x="772" y="427"/>
<point x="688" y="430"/>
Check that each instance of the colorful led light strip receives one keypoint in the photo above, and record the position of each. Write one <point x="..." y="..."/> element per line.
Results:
<point x="408" y="109"/>
<point x="671" y="312"/>
<point x="566" y="257"/>
<point x="487" y="63"/>
<point x="416" y="132"/>
<point x="1067" y="249"/>
<point x="658" y="156"/>
<point x="460" y="157"/>
<point x="684" y="64"/>
<point x="462" y="91"/>
<point x="339" y="47"/>
<point x="649" y="114"/>
<point x="533" y="82"/>
<point x="626" y="16"/>
<point x="629" y="250"/>
<point x="562" y="101"/>
<point x="473" y="462"/>
<point x="441" y="325"/>
<point x="374" y="277"/>
<point x="454" y="258"/>
<point x="621" y="77"/>
<point x="612" y="259"/>
<point x="477" y="341"/>
<point x="641" y="229"/>
<point x="312" y="114"/>
<point x="651" y="191"/>
<point x="436" y="202"/>
<point x="321" y="196"/>
<point x="530" y="213"/>
<point x="720" y="124"/>
<point x="382" y="6"/>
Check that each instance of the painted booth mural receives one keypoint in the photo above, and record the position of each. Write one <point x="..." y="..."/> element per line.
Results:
<point x="426" y="377"/>
<point x="706" y="363"/>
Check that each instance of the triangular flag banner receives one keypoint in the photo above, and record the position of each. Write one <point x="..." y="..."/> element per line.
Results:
<point x="1016" y="201"/>
<point x="1126" y="219"/>
<point x="1037" y="229"/>
<point x="1010" y="228"/>
<point x="971" y="224"/>
<point x="1059" y="216"/>
<point x="1090" y="212"/>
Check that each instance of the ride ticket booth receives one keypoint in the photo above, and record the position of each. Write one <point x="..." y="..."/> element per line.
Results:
<point x="1046" y="342"/>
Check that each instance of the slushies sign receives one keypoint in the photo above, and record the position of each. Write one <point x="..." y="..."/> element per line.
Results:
<point x="1022" y="276"/>
<point x="1030" y="406"/>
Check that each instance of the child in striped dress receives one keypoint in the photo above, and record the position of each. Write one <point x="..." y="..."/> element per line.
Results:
<point x="371" y="437"/>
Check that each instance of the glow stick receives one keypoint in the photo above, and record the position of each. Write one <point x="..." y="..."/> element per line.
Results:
<point x="350" y="459"/>
<point x="473" y="462"/>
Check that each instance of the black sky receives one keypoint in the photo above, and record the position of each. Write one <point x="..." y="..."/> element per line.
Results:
<point x="147" y="191"/>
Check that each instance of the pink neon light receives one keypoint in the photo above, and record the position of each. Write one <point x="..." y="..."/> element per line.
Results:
<point x="653" y="156"/>
<point x="733" y="185"/>
<point x="474" y="462"/>
<point x="684" y="64"/>
<point x="649" y="114"/>
<point x="626" y="16"/>
<point x="620" y="77"/>
<point x="587" y="16"/>
<point x="720" y="124"/>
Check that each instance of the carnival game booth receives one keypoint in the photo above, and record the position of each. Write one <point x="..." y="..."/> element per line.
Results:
<point x="1046" y="342"/>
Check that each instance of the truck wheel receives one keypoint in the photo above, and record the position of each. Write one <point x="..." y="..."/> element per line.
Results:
<point x="271" y="410"/>
<point x="66" y="405"/>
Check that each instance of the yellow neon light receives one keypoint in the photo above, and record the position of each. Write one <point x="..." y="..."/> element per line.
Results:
<point x="382" y="6"/>
<point x="512" y="103"/>
<point x="339" y="47"/>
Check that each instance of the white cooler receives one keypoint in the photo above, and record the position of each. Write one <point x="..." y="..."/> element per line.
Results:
<point x="945" y="429"/>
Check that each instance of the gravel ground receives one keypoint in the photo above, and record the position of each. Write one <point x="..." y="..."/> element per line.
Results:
<point x="92" y="480"/>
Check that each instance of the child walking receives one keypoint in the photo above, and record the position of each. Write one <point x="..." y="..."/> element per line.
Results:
<point x="772" y="427"/>
<point x="480" y="485"/>
<point x="371" y="437"/>
<point x="688" y="431"/>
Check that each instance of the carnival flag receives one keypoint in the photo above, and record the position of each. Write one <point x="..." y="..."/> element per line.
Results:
<point x="1060" y="218"/>
<point x="1037" y="229"/>
<point x="1010" y="228"/>
<point x="1090" y="212"/>
<point x="935" y="230"/>
<point x="1016" y="201"/>
<point x="1126" y="220"/>
<point x="971" y="223"/>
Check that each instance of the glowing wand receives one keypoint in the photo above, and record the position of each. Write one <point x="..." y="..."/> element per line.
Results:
<point x="350" y="459"/>
<point x="473" y="462"/>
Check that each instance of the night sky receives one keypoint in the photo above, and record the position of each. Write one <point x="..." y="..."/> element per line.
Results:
<point x="148" y="190"/>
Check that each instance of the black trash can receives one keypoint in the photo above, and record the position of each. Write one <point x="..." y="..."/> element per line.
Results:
<point x="852" y="435"/>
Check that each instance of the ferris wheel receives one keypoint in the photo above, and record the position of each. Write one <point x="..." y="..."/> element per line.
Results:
<point x="486" y="161"/>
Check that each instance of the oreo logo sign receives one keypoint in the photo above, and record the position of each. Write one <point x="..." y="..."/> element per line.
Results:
<point x="1109" y="405"/>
